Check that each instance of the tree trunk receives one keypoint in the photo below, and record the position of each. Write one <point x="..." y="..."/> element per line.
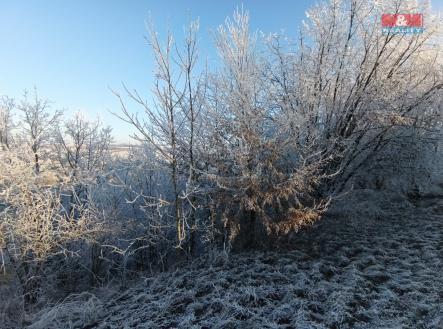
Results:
<point x="37" y="164"/>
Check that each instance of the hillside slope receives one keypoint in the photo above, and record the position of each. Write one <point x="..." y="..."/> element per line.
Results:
<point x="384" y="272"/>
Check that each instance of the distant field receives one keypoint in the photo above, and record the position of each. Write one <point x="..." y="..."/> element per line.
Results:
<point x="121" y="150"/>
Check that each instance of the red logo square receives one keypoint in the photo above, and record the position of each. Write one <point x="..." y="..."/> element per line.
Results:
<point x="399" y="20"/>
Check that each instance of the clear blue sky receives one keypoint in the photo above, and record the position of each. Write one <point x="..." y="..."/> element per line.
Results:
<point x="73" y="51"/>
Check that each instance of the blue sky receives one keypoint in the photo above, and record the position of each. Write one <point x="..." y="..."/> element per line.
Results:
<point x="74" y="51"/>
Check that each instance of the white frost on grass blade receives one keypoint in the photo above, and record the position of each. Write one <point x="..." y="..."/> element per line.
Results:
<point x="73" y="312"/>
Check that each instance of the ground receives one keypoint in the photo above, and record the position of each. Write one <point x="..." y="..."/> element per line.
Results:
<point x="382" y="271"/>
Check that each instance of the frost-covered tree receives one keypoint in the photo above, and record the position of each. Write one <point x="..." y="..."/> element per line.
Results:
<point x="35" y="226"/>
<point x="39" y="228"/>
<point x="82" y="146"/>
<point x="266" y="162"/>
<point x="191" y="106"/>
<point x="6" y="122"/>
<point x="169" y="124"/>
<point x="37" y="122"/>
<point x="369" y="91"/>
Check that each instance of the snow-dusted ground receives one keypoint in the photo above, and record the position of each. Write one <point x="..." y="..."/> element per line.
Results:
<point x="380" y="271"/>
